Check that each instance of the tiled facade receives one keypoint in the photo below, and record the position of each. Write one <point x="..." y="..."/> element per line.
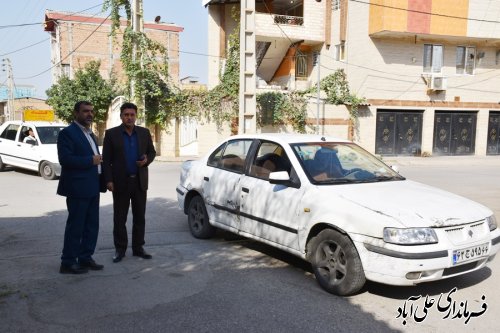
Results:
<point x="401" y="55"/>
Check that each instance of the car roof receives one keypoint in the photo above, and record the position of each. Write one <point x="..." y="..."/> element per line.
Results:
<point x="289" y="137"/>
<point x="35" y="123"/>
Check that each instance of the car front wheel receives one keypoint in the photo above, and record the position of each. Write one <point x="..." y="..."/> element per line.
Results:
<point x="198" y="219"/>
<point x="47" y="171"/>
<point x="336" y="263"/>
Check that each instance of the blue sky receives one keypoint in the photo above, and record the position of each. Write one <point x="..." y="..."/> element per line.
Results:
<point x="34" y="59"/>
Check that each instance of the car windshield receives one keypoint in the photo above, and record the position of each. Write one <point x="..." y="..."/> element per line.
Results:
<point x="341" y="163"/>
<point x="48" y="134"/>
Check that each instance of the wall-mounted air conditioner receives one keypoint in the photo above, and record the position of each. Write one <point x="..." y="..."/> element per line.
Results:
<point x="437" y="82"/>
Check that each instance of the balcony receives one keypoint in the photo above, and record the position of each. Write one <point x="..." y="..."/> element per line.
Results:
<point x="291" y="20"/>
<point x="291" y="28"/>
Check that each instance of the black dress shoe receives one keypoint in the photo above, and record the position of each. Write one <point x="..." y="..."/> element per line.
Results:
<point x="72" y="269"/>
<point x="118" y="256"/>
<point x="143" y="254"/>
<point x="92" y="265"/>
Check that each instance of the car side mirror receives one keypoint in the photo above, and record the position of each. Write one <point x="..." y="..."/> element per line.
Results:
<point x="281" y="178"/>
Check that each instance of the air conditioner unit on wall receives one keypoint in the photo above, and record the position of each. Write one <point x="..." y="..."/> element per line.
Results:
<point x="437" y="82"/>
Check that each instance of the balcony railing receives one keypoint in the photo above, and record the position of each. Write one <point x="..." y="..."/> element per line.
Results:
<point x="291" y="20"/>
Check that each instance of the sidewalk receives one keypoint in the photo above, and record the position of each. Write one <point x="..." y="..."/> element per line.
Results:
<point x="442" y="160"/>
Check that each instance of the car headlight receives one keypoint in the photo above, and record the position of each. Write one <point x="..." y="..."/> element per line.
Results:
<point x="492" y="222"/>
<point x="410" y="236"/>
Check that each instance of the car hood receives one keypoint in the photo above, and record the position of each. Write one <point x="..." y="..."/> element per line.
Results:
<point x="410" y="204"/>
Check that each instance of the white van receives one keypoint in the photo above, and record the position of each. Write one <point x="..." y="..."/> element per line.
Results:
<point x="38" y="154"/>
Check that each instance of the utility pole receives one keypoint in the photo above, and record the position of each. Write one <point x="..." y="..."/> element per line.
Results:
<point x="247" y="113"/>
<point x="318" y="92"/>
<point x="7" y="66"/>
<point x="137" y="27"/>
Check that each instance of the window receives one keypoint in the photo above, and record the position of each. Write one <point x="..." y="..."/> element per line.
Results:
<point x="10" y="132"/>
<point x="49" y="135"/>
<point x="335" y="4"/>
<point x="231" y="155"/>
<point x="340" y="51"/>
<point x="65" y="70"/>
<point x="433" y="58"/>
<point x="300" y="64"/>
<point x="466" y="56"/>
<point x="271" y="157"/>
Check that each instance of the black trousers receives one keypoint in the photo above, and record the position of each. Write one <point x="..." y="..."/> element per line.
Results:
<point x="121" y="203"/>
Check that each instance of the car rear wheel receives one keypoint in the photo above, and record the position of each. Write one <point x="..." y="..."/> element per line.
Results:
<point x="198" y="219"/>
<point x="336" y="263"/>
<point x="47" y="170"/>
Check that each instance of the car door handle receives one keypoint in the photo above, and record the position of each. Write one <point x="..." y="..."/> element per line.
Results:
<point x="246" y="190"/>
<point x="206" y="179"/>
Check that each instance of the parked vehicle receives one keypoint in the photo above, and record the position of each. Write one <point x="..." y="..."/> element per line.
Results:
<point x="341" y="208"/>
<point x="38" y="154"/>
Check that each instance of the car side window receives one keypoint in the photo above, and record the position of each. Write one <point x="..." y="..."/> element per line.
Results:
<point x="270" y="157"/>
<point x="214" y="159"/>
<point x="10" y="132"/>
<point x="231" y="156"/>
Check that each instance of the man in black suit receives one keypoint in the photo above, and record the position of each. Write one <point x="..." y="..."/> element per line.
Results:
<point x="127" y="152"/>
<point x="79" y="183"/>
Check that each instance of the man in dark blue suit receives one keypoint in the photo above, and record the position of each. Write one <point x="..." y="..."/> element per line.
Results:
<point x="79" y="183"/>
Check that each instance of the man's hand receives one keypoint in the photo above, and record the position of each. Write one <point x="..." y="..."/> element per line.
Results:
<point x="97" y="159"/>
<point x="109" y="185"/>
<point x="142" y="162"/>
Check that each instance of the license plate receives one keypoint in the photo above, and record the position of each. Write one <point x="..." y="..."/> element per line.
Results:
<point x="470" y="253"/>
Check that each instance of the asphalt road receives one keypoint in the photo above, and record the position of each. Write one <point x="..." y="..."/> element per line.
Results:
<point x="225" y="284"/>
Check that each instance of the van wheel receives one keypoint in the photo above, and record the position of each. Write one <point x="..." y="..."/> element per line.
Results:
<point x="47" y="171"/>
<point x="336" y="263"/>
<point x="198" y="219"/>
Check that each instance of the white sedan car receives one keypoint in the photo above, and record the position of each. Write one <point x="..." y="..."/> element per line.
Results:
<point x="37" y="152"/>
<point x="334" y="204"/>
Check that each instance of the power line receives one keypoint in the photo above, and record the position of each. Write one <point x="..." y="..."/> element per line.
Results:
<point x="25" y="47"/>
<point x="19" y="25"/>
<point x="423" y="12"/>
<point x="46" y="39"/>
<point x="37" y="23"/>
<point x="70" y="53"/>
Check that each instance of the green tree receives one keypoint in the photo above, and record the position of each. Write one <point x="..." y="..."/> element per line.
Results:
<point x="145" y="63"/>
<point x="89" y="85"/>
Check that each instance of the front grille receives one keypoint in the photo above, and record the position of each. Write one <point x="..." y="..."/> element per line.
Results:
<point x="467" y="233"/>
<point x="460" y="269"/>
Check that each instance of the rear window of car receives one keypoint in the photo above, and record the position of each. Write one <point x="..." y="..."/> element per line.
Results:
<point x="10" y="132"/>
<point x="231" y="156"/>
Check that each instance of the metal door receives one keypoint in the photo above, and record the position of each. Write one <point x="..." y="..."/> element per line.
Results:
<point x="408" y="134"/>
<point x="399" y="133"/>
<point x="386" y="133"/>
<point x="454" y="133"/>
<point x="493" y="143"/>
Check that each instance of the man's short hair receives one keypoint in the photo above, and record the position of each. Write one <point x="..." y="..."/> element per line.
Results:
<point x="79" y="104"/>
<point x="128" y="105"/>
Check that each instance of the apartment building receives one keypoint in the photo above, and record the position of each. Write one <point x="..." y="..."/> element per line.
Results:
<point x="428" y="69"/>
<point x="77" y="39"/>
